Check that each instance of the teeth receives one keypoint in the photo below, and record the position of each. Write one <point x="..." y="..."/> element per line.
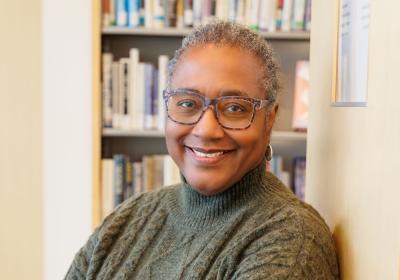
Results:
<point x="200" y="154"/>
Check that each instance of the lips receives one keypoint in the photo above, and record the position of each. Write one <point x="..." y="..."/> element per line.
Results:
<point x="208" y="152"/>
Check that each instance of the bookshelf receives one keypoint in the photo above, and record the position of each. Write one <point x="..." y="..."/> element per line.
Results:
<point x="152" y="42"/>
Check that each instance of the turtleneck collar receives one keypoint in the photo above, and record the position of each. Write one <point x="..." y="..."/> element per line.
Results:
<point x="192" y="209"/>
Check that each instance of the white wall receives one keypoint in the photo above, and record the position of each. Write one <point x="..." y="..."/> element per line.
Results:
<point x="353" y="154"/>
<point x="21" y="191"/>
<point x="67" y="133"/>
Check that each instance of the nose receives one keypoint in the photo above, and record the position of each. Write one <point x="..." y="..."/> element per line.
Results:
<point x="208" y="126"/>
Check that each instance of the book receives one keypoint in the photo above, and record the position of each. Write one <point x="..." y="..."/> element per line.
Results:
<point x="118" y="178"/>
<point x="162" y="84"/>
<point x="135" y="106"/>
<point x="121" y="13"/>
<point x="267" y="15"/>
<point x="107" y="194"/>
<point x="158" y="13"/>
<point x="264" y="15"/>
<point x="124" y="77"/>
<point x="298" y="15"/>
<point x="299" y="176"/>
<point x="133" y="10"/>
<point x="188" y="13"/>
<point x="287" y="15"/>
<point x="107" y="59"/>
<point x="301" y="96"/>
<point x="116" y="110"/>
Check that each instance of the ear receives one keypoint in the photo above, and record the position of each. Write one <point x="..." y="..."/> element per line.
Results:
<point x="270" y="118"/>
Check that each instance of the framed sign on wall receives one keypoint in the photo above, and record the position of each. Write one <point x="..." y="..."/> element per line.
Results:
<point x="350" y="73"/>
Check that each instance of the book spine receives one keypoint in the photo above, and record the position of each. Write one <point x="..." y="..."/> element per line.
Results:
<point x="278" y="15"/>
<point x="119" y="166"/>
<point x="105" y="12"/>
<point x="124" y="93"/>
<point x="307" y="16"/>
<point x="301" y="96"/>
<point x="298" y="15"/>
<point x="154" y="99"/>
<point x="188" y="13"/>
<point x="197" y="12"/>
<point x="180" y="14"/>
<point x="128" y="179"/>
<point x="241" y="12"/>
<point x="254" y="14"/>
<point x="112" y="13"/>
<point x="287" y="14"/>
<point x="121" y="13"/>
<point x="116" y="112"/>
<point x="232" y="10"/>
<point x="170" y="13"/>
<point x="138" y="177"/>
<point x="134" y="111"/>
<point x="222" y="9"/>
<point x="162" y="84"/>
<point x="158" y="13"/>
<point x="267" y="15"/>
<point x="107" y="201"/>
<point x="148" y="118"/>
<point x="299" y="176"/>
<point x="107" y="89"/>
<point x="139" y="115"/>
<point x="134" y="13"/>
<point x="148" y="13"/>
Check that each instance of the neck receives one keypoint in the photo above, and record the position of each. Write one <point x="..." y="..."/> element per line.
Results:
<point x="195" y="210"/>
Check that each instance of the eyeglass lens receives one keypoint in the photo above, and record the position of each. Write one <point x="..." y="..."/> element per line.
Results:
<point x="232" y="112"/>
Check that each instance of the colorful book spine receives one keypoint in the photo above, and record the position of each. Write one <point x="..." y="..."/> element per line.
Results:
<point x="119" y="172"/>
<point x="287" y="15"/>
<point x="125" y="119"/>
<point x="298" y="15"/>
<point x="158" y="13"/>
<point x="267" y="15"/>
<point x="299" y="176"/>
<point x="121" y="13"/>
<point x="133" y="12"/>
<point x="148" y="96"/>
<point x="301" y="96"/>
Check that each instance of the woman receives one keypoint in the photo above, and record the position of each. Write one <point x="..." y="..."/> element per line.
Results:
<point x="229" y="219"/>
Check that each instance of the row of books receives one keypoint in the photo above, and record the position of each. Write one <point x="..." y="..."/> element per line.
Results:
<point x="263" y="15"/>
<point x="297" y="185"/>
<point x="123" y="178"/>
<point x="132" y="92"/>
<point x="301" y="96"/>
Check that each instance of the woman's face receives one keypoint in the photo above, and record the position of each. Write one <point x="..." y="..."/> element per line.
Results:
<point x="214" y="71"/>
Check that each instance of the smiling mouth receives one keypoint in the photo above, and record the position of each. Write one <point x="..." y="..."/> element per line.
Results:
<point x="208" y="153"/>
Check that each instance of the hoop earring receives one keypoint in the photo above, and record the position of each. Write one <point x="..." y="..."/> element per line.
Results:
<point x="269" y="153"/>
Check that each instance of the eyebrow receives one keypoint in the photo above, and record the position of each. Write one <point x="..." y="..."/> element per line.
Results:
<point x="228" y="92"/>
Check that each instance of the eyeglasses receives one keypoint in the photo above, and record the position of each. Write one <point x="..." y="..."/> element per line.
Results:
<point x="232" y="112"/>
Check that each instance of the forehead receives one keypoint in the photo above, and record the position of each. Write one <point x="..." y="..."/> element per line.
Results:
<point x="213" y="69"/>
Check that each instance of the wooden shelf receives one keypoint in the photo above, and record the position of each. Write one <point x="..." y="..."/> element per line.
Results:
<point x="180" y="32"/>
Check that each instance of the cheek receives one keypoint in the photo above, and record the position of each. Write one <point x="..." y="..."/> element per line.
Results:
<point x="174" y="135"/>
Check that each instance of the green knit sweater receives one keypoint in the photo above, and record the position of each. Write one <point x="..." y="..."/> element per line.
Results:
<point x="257" y="229"/>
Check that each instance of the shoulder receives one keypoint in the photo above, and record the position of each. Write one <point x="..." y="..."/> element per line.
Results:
<point x="289" y="239"/>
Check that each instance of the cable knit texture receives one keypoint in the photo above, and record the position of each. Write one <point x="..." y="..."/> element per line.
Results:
<point x="257" y="229"/>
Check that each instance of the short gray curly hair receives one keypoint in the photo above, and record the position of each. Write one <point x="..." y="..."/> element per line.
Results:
<point x="223" y="33"/>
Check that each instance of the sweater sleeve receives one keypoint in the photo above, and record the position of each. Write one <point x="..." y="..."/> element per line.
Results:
<point x="306" y="261"/>
<point x="299" y="246"/>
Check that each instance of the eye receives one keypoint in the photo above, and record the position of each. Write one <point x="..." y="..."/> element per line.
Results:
<point x="186" y="103"/>
<point x="234" y="108"/>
